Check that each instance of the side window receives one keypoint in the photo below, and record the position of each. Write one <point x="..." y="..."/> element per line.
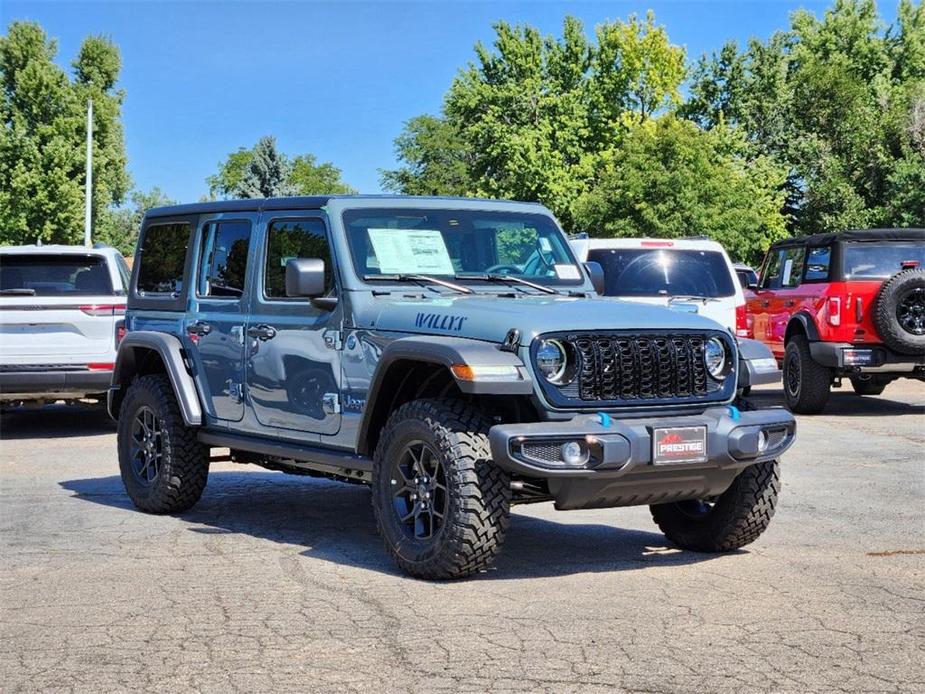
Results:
<point x="294" y="238"/>
<point x="817" y="264"/>
<point x="224" y="259"/>
<point x="792" y="269"/>
<point x="124" y="273"/>
<point x="162" y="257"/>
<point x="771" y="276"/>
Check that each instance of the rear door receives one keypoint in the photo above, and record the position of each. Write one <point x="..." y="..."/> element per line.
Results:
<point x="58" y="308"/>
<point x="293" y="346"/>
<point x="215" y="328"/>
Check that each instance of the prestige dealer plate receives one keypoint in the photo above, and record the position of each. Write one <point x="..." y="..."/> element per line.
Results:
<point x="679" y="445"/>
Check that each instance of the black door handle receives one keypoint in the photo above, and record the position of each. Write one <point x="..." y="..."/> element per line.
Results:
<point x="765" y="304"/>
<point x="790" y="303"/>
<point x="199" y="328"/>
<point x="262" y="332"/>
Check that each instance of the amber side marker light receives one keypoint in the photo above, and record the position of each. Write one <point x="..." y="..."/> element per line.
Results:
<point x="485" y="372"/>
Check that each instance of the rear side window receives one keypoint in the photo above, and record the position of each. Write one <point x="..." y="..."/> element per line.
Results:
<point x="296" y="238"/>
<point x="817" y="264"/>
<point x="664" y="272"/>
<point x="163" y="257"/>
<point x="225" y="247"/>
<point x="43" y="274"/>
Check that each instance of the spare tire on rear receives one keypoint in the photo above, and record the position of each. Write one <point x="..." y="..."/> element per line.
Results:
<point x="899" y="312"/>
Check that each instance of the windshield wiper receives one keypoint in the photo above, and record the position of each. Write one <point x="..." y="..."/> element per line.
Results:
<point x="507" y="278"/>
<point x="691" y="297"/>
<point x="18" y="292"/>
<point x="418" y="278"/>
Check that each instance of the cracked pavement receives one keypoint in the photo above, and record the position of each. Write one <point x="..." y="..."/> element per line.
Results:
<point x="279" y="583"/>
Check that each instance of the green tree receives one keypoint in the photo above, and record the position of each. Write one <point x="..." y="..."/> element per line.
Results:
<point x="42" y="145"/>
<point x="119" y="226"/>
<point x="274" y="172"/>
<point x="437" y="161"/>
<point x="671" y="179"/>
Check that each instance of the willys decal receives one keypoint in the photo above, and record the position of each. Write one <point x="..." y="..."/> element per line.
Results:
<point x="437" y="321"/>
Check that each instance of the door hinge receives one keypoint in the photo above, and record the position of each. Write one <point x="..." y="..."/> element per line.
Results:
<point x="333" y="339"/>
<point x="330" y="403"/>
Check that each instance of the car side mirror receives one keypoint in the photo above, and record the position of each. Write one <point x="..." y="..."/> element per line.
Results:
<point x="596" y="274"/>
<point x="304" y="277"/>
<point x="753" y="286"/>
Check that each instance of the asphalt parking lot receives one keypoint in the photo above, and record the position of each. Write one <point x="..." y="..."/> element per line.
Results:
<point x="279" y="583"/>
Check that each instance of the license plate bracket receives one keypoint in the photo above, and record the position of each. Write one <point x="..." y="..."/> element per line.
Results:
<point x="671" y="445"/>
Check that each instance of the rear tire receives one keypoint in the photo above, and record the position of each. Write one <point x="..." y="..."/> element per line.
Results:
<point x="737" y="517"/>
<point x="439" y="448"/>
<point x="872" y="386"/>
<point x="806" y="383"/>
<point x="164" y="467"/>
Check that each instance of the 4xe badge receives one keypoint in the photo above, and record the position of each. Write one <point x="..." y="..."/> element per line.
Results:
<point x="679" y="445"/>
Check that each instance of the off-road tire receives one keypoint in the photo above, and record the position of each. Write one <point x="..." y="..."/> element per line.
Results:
<point x="885" y="306"/>
<point x="737" y="518"/>
<point x="872" y="386"/>
<point x="813" y="382"/>
<point x="478" y="491"/>
<point x="184" y="466"/>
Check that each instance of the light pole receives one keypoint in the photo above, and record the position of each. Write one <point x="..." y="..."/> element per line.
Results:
<point x="89" y="191"/>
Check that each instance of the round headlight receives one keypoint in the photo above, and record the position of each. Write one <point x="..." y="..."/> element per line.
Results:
<point x="551" y="360"/>
<point x="714" y="358"/>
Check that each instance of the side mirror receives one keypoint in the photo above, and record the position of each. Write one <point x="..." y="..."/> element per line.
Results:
<point x="753" y="286"/>
<point x="304" y="277"/>
<point x="596" y="274"/>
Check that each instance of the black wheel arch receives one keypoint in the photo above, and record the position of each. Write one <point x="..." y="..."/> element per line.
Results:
<point x="801" y="322"/>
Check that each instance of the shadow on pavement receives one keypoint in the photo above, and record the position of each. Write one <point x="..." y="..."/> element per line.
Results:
<point x="843" y="402"/>
<point x="334" y="522"/>
<point x="55" y="422"/>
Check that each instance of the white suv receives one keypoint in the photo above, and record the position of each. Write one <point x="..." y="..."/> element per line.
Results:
<point x="61" y="318"/>
<point x="693" y="275"/>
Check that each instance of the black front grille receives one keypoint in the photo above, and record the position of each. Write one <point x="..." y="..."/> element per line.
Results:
<point x="639" y="367"/>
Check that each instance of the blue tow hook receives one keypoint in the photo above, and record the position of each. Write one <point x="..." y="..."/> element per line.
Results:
<point x="604" y="419"/>
<point x="734" y="413"/>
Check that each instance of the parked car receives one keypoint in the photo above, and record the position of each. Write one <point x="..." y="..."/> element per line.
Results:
<point x="451" y="353"/>
<point x="687" y="274"/>
<point x="61" y="310"/>
<point x="847" y="305"/>
<point x="748" y="278"/>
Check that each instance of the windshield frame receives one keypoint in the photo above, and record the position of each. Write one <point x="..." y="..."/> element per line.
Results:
<point x="475" y="208"/>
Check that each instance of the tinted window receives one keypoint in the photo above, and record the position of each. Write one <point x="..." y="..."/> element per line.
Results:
<point x="299" y="238"/>
<point x="459" y="242"/>
<point x="224" y="259"/>
<point x="817" y="264"/>
<point x="162" y="258"/>
<point x="663" y="272"/>
<point x="880" y="260"/>
<point x="771" y="276"/>
<point x="54" y="275"/>
<point x="792" y="268"/>
<point x="747" y="278"/>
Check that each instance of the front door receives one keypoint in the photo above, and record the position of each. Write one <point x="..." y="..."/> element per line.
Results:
<point x="215" y="329"/>
<point x="293" y="347"/>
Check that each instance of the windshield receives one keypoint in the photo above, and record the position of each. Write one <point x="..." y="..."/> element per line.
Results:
<point x="663" y="272"/>
<point x="43" y="274"/>
<point x="456" y="243"/>
<point x="880" y="260"/>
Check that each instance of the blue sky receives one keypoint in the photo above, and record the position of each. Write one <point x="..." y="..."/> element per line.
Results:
<point x="336" y="79"/>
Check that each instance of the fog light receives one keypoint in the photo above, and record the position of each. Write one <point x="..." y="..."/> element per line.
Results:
<point x="574" y="453"/>
<point x="762" y="441"/>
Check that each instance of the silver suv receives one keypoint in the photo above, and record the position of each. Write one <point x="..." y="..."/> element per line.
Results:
<point x="450" y="353"/>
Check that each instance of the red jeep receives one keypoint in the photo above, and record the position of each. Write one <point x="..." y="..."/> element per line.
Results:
<point x="842" y="305"/>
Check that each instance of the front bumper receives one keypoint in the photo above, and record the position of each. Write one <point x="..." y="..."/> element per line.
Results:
<point x="847" y="358"/>
<point x="52" y="383"/>
<point x="621" y="471"/>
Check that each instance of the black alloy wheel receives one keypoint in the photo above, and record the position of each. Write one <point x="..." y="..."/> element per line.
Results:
<point x="420" y="496"/>
<point x="147" y="447"/>
<point x="910" y="311"/>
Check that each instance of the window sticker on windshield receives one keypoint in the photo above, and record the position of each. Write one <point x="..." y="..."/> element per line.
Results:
<point x="415" y="251"/>
<point x="545" y="245"/>
<point x="567" y="272"/>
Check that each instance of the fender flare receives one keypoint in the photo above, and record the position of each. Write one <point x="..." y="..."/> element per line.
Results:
<point x="170" y="350"/>
<point x="446" y="351"/>
<point x="757" y="365"/>
<point x="808" y="324"/>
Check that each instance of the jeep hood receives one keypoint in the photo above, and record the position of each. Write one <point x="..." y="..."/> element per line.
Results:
<point x="489" y="317"/>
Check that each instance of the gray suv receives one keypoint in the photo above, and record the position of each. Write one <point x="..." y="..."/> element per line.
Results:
<point x="450" y="353"/>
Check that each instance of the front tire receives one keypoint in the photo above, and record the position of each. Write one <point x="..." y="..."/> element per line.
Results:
<point x="442" y="506"/>
<point x="736" y="518"/>
<point x="164" y="467"/>
<point x="806" y="383"/>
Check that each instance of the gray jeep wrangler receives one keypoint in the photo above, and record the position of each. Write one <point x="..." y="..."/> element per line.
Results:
<point x="450" y="353"/>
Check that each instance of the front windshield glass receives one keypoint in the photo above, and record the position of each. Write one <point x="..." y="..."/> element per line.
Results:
<point x="663" y="272"/>
<point x="456" y="243"/>
<point x="880" y="260"/>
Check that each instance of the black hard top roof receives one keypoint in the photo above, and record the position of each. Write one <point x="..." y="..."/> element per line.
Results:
<point x="855" y="235"/>
<point x="310" y="202"/>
